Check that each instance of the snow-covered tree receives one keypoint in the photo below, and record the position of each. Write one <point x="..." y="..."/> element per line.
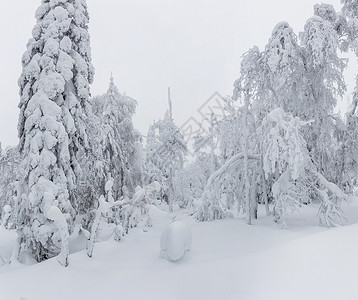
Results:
<point x="9" y="162"/>
<point x="5" y="216"/>
<point x="206" y="140"/>
<point x="54" y="104"/>
<point x="212" y="206"/>
<point x="347" y="152"/>
<point x="306" y="80"/>
<point x="282" y="68"/>
<point x="324" y="84"/>
<point x="349" y="25"/>
<point x="247" y="88"/>
<point x="122" y="143"/>
<point x="347" y="30"/>
<point x="286" y="162"/>
<point x="189" y="182"/>
<point x="230" y="134"/>
<point x="92" y="181"/>
<point x="128" y="206"/>
<point x="295" y="179"/>
<point x="165" y="154"/>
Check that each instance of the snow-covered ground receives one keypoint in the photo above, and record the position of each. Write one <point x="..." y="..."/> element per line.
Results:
<point x="228" y="260"/>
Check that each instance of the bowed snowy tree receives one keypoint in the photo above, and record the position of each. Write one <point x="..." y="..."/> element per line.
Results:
<point x="286" y="162"/>
<point x="54" y="104"/>
<point x="306" y="80"/>
<point x="295" y="178"/>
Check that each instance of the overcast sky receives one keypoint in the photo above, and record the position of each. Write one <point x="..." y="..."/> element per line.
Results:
<point x="193" y="46"/>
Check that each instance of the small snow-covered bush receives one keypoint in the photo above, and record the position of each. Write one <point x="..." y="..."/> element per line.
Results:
<point x="6" y="216"/>
<point x="175" y="241"/>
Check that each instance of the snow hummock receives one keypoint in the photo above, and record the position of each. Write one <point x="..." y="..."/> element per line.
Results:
<point x="7" y="209"/>
<point x="175" y="241"/>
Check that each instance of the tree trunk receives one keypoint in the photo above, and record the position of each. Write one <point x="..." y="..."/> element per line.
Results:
<point x="246" y="163"/>
<point x="264" y="184"/>
<point x="254" y="206"/>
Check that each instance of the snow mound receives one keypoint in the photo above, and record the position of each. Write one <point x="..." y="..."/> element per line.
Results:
<point x="175" y="241"/>
<point x="55" y="214"/>
<point x="7" y="209"/>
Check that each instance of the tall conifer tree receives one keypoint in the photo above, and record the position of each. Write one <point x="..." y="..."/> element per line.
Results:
<point x="54" y="104"/>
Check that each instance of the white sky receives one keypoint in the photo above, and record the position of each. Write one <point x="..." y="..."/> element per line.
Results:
<point x="194" y="46"/>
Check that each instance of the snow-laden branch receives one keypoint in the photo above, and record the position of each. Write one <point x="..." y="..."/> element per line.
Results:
<point x="211" y="209"/>
<point x="330" y="210"/>
<point x="230" y="166"/>
<point x="105" y="206"/>
<point x="54" y="214"/>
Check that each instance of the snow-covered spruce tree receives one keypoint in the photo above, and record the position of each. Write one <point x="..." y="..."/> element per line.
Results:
<point x="165" y="154"/>
<point x="121" y="145"/>
<point x="54" y="90"/>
